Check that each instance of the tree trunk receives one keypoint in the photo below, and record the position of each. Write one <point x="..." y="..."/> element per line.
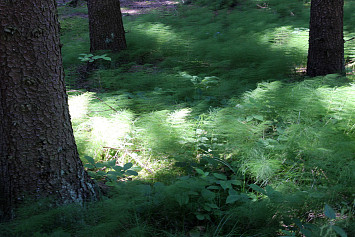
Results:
<point x="38" y="154"/>
<point x="326" y="43"/>
<point x="106" y="26"/>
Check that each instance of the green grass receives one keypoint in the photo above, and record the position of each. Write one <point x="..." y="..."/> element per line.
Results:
<point x="210" y="104"/>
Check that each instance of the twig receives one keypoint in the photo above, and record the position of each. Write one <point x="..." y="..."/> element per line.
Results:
<point x="96" y="98"/>
<point x="349" y="39"/>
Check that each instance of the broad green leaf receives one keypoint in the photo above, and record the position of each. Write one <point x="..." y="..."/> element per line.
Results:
<point x="200" y="217"/>
<point x="136" y="168"/>
<point x="112" y="177"/>
<point x="259" y="117"/>
<point x="206" y="174"/>
<point x="114" y="173"/>
<point x="90" y="159"/>
<point x="269" y="190"/>
<point x="339" y="231"/>
<point x="224" y="184"/>
<point x="236" y="182"/>
<point x="199" y="171"/>
<point x="182" y="199"/>
<point x="329" y="212"/>
<point x="101" y="173"/>
<point x="111" y="163"/>
<point x="99" y="165"/>
<point x="257" y="188"/>
<point x="207" y="194"/>
<point x="220" y="176"/>
<point x="89" y="166"/>
<point x="249" y="118"/>
<point x="207" y="208"/>
<point x="118" y="168"/>
<point x="232" y="192"/>
<point x="213" y="187"/>
<point x="131" y="172"/>
<point x="232" y="198"/>
<point x="127" y="166"/>
<point x="306" y="232"/>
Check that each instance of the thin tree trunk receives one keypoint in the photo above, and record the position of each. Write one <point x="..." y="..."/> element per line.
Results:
<point x="38" y="154"/>
<point x="326" y="43"/>
<point x="106" y="26"/>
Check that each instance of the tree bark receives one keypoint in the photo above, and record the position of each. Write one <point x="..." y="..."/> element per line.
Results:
<point x="38" y="154"/>
<point x="106" y="26"/>
<point x="326" y="43"/>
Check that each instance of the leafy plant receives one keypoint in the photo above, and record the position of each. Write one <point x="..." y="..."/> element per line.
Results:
<point x="92" y="58"/>
<point x="108" y="171"/>
<point x="311" y="230"/>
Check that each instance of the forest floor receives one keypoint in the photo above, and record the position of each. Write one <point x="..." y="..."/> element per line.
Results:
<point x="210" y="121"/>
<point x="131" y="7"/>
<point x="137" y="7"/>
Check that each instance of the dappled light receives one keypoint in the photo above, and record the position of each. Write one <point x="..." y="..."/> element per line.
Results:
<point x="206" y="125"/>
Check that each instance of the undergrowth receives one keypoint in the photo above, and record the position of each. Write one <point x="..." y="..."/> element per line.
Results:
<point x="209" y="105"/>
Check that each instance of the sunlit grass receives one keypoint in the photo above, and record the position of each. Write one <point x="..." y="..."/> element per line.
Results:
<point x="218" y="91"/>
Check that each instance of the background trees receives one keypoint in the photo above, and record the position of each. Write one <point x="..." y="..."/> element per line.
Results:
<point x="326" y="43"/>
<point x="38" y="155"/>
<point x="106" y="26"/>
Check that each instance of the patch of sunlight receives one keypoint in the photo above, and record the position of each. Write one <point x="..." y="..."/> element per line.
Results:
<point x="163" y="34"/>
<point x="179" y="120"/>
<point x="165" y="131"/>
<point x="111" y="132"/>
<point x="78" y="105"/>
<point x="340" y="103"/>
<point x="288" y="37"/>
<point x="178" y="117"/>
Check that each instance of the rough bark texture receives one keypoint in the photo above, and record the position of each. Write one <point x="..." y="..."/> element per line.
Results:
<point x="38" y="155"/>
<point x="326" y="43"/>
<point x="106" y="26"/>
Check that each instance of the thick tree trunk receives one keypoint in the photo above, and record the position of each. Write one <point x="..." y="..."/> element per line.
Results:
<point x="326" y="43"/>
<point x="38" y="155"/>
<point x="106" y="26"/>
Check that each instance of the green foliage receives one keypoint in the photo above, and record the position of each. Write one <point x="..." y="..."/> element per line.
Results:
<point x="210" y="105"/>
<point x="214" y="4"/>
<point x="311" y="230"/>
<point x="91" y="58"/>
<point x="108" y="171"/>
